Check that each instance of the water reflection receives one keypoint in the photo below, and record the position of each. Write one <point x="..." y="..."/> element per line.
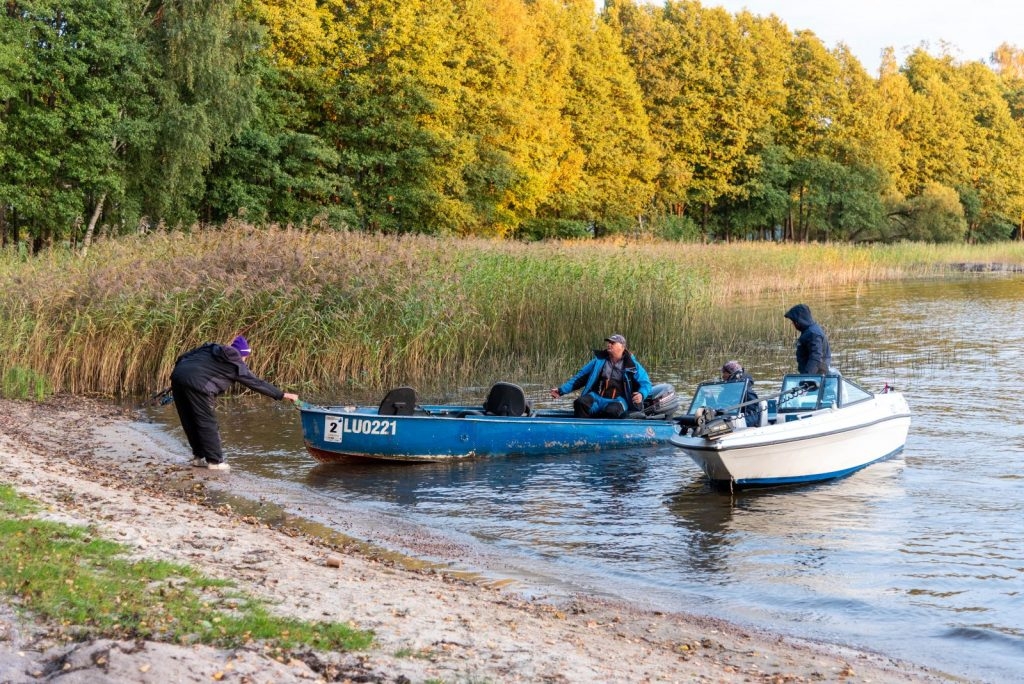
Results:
<point x="796" y="521"/>
<point x="517" y="500"/>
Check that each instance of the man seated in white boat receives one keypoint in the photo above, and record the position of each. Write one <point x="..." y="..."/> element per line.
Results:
<point x="733" y="371"/>
<point x="730" y="400"/>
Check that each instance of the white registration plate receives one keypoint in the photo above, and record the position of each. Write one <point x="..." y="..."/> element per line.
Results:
<point x="335" y="427"/>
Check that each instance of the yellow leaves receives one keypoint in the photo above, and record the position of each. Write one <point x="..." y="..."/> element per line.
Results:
<point x="303" y="36"/>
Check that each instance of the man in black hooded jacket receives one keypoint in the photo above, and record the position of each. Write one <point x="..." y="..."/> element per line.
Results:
<point x="199" y="376"/>
<point x="813" y="354"/>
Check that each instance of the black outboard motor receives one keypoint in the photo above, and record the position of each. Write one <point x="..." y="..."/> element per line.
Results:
<point x="662" y="402"/>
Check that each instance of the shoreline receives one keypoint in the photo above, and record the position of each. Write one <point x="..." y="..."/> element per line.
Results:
<point x="92" y="463"/>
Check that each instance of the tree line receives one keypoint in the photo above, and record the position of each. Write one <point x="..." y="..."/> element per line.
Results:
<point x="524" y="119"/>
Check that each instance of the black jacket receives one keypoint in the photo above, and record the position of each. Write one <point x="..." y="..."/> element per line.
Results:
<point x="214" y="368"/>
<point x="752" y="411"/>
<point x="813" y="354"/>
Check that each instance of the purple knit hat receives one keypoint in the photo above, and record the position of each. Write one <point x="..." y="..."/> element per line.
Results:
<point x="242" y="345"/>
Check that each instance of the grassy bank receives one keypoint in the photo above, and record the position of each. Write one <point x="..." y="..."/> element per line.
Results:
<point x="350" y="310"/>
<point x="70" y="576"/>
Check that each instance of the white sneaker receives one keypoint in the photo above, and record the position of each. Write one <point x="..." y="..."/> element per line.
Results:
<point x="198" y="463"/>
<point x="218" y="466"/>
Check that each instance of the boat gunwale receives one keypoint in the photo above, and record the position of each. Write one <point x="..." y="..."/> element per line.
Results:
<point x="474" y="413"/>
<point x="718" y="445"/>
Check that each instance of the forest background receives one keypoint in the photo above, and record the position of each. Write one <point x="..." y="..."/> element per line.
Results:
<point x="525" y="119"/>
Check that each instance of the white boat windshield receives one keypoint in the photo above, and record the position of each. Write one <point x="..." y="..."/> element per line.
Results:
<point x="718" y="395"/>
<point x="795" y="398"/>
<point x="829" y="390"/>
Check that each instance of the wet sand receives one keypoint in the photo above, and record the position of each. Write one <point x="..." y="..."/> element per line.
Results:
<point x="91" y="463"/>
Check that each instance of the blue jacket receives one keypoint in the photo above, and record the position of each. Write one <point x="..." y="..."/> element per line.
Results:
<point x="813" y="354"/>
<point x="634" y="377"/>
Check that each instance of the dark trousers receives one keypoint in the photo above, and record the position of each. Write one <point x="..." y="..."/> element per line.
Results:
<point x="195" y="410"/>
<point x="593" y="405"/>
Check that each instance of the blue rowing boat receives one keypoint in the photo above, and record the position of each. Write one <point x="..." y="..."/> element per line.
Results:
<point x="400" y="429"/>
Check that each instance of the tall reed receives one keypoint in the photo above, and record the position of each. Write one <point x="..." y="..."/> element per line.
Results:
<point x="327" y="311"/>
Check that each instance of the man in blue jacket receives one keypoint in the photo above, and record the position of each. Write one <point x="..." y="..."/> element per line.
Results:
<point x="199" y="376"/>
<point x="613" y="383"/>
<point x="812" y="351"/>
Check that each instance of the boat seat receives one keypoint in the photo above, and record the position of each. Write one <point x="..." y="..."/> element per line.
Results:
<point x="400" y="401"/>
<point x="506" y="399"/>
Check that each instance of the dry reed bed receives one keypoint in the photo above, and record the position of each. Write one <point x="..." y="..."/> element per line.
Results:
<point x="330" y="310"/>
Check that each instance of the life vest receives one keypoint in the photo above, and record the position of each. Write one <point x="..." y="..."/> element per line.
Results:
<point x="612" y="381"/>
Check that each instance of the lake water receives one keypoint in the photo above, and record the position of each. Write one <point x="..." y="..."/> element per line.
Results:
<point x="920" y="557"/>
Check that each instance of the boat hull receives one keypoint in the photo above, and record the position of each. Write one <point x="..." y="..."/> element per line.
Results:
<point x="451" y="433"/>
<point x="823" y="445"/>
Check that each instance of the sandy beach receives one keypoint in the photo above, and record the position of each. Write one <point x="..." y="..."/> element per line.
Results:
<point x="89" y="463"/>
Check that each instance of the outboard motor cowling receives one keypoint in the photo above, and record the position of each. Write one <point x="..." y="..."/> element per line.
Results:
<point x="663" y="401"/>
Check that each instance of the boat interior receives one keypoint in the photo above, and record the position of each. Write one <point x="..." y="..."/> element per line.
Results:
<point x="508" y="399"/>
<point x="800" y="395"/>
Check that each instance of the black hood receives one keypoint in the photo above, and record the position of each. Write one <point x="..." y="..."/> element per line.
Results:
<point x="801" y="316"/>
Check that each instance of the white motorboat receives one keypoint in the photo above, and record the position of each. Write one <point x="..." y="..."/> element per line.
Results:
<point x="818" y="427"/>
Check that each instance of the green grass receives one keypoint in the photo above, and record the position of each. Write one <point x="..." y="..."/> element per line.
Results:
<point x="13" y="505"/>
<point x="24" y="383"/>
<point x="352" y="311"/>
<point x="84" y="583"/>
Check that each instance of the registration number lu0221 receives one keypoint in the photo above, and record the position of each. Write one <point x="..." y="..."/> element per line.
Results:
<point x="335" y="427"/>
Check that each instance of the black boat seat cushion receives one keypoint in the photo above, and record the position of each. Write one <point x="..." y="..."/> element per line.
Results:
<point x="400" y="401"/>
<point x="505" y="399"/>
